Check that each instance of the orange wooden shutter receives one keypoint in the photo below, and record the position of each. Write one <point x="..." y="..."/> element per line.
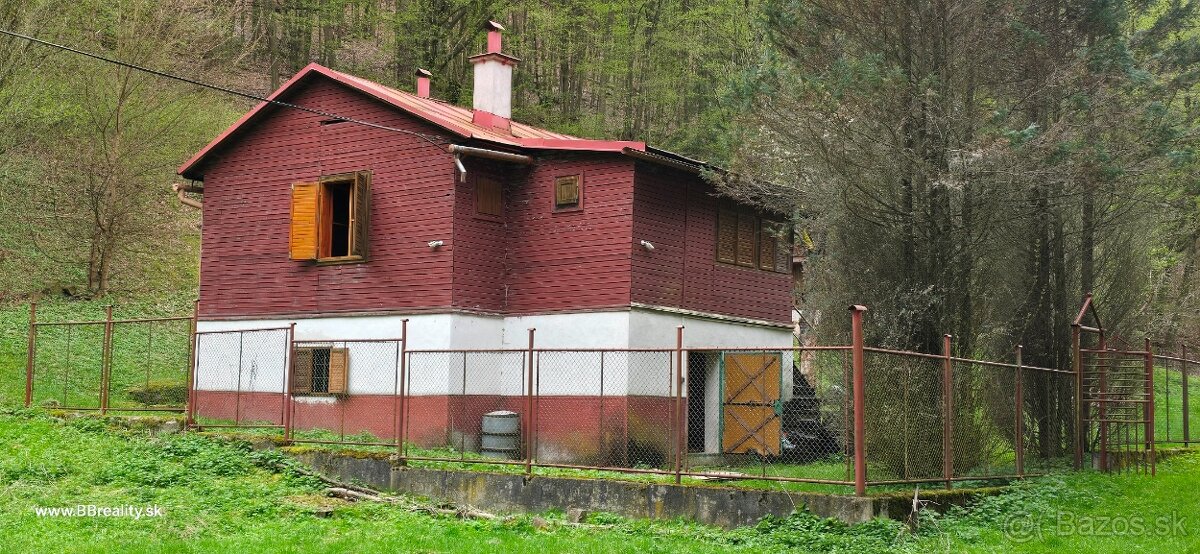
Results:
<point x="727" y="236"/>
<point x="339" y="365"/>
<point x="305" y="221"/>
<point x="767" y="243"/>
<point x="747" y="230"/>
<point x="302" y="370"/>
<point x="360" y="215"/>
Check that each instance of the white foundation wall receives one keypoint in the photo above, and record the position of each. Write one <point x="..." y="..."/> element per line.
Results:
<point x="584" y="371"/>
<point x="653" y="327"/>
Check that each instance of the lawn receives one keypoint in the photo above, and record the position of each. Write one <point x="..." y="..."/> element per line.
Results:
<point x="219" y="496"/>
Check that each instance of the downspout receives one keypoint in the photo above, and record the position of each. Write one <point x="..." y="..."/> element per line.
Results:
<point x="460" y="151"/>
<point x="181" y="189"/>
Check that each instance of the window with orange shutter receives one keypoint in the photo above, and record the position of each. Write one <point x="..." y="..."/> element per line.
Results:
<point x="330" y="218"/>
<point x="320" y="370"/>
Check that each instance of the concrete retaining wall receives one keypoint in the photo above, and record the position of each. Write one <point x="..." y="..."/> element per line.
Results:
<point x="501" y="492"/>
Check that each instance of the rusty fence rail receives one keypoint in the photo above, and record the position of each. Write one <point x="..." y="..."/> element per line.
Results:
<point x="841" y="416"/>
<point x="109" y="365"/>
<point x="1177" y="394"/>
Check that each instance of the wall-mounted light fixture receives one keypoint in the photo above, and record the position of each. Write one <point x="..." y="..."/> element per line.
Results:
<point x="649" y="246"/>
<point x="435" y="244"/>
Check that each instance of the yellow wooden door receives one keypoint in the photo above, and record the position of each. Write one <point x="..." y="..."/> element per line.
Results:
<point x="749" y="404"/>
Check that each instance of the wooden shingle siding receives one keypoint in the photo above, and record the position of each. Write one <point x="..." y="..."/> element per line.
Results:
<point x="528" y="259"/>
<point x="479" y="241"/>
<point x="678" y="213"/>
<point x="245" y="270"/>
<point x="573" y="259"/>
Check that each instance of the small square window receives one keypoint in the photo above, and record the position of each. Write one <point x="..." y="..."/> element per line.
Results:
<point x="568" y="192"/>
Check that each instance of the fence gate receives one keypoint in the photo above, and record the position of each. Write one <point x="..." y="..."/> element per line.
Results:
<point x="750" y="403"/>
<point x="1116" y="396"/>
<point x="1119" y="407"/>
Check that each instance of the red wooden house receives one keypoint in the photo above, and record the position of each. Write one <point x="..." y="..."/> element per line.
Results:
<point x="371" y="205"/>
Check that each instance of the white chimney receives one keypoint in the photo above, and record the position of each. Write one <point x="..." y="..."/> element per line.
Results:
<point x="493" y="82"/>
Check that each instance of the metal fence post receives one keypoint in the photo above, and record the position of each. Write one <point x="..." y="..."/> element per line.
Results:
<point x="1102" y="404"/>
<point x="947" y="412"/>
<point x="289" y="370"/>
<point x="1019" y="415"/>
<point x="1150" y="407"/>
<point x="401" y="389"/>
<point x="189" y="418"/>
<point x="1187" y="415"/>
<point x="1077" y="365"/>
<point x="29" y="353"/>
<point x="860" y="439"/>
<point x="679" y="419"/>
<point x="106" y="359"/>
<point x="530" y="420"/>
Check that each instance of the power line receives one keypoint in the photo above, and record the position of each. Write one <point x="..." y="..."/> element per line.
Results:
<point x="433" y="139"/>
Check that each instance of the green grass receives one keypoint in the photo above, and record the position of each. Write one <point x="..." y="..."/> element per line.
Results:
<point x="221" y="496"/>
<point x="1081" y="512"/>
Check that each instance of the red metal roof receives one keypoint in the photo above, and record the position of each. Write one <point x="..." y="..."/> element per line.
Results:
<point x="456" y="119"/>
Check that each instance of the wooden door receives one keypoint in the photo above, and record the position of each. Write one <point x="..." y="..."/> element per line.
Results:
<point x="750" y="403"/>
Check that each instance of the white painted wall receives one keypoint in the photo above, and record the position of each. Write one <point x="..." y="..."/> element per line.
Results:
<point x="584" y="373"/>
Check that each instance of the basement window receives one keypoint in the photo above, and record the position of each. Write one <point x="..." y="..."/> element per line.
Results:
<point x="568" y="193"/>
<point x="330" y="218"/>
<point x="320" y="370"/>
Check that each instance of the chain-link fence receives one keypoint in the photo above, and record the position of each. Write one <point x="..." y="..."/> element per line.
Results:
<point x="448" y="394"/>
<point x="149" y="364"/>
<point x="345" y="391"/>
<point x="606" y="409"/>
<point x="239" y="379"/>
<point x="69" y="362"/>
<point x="123" y="365"/>
<point x="831" y="415"/>
<point x="1177" y="393"/>
<point x="780" y="414"/>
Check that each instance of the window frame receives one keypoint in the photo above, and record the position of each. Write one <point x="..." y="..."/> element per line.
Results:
<point x="331" y="350"/>
<point x="476" y="183"/>
<point x="737" y="215"/>
<point x="578" y="206"/>
<point x="350" y="177"/>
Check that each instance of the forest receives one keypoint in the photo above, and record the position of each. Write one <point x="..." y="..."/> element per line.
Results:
<point x="970" y="167"/>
